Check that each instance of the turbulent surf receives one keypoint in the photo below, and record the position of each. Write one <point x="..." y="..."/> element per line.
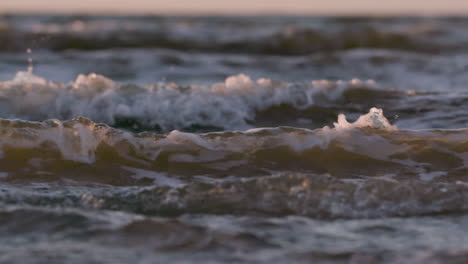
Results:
<point x="244" y="140"/>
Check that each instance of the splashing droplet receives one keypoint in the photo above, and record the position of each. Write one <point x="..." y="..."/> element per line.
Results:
<point x="30" y="61"/>
<point x="30" y="67"/>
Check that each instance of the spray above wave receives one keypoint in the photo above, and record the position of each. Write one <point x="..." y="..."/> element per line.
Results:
<point x="234" y="104"/>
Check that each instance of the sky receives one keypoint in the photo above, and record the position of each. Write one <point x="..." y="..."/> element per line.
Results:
<point x="330" y="7"/>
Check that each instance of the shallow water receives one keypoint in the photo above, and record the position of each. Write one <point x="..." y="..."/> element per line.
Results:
<point x="240" y="139"/>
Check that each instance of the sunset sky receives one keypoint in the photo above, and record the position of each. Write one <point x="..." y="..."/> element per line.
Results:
<point x="376" y="7"/>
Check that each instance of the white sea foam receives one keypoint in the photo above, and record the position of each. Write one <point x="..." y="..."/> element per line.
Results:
<point x="228" y="105"/>
<point x="374" y="119"/>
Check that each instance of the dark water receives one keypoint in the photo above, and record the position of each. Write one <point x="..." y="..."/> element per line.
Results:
<point x="233" y="139"/>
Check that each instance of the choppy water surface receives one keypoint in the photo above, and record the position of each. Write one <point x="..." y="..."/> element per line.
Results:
<point x="240" y="140"/>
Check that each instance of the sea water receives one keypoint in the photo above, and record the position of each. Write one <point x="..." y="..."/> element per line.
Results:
<point x="233" y="139"/>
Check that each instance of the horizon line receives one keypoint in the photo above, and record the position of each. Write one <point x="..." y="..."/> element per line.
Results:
<point x="233" y="14"/>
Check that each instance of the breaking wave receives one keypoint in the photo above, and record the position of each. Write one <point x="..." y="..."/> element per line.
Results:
<point x="238" y="103"/>
<point x="367" y="168"/>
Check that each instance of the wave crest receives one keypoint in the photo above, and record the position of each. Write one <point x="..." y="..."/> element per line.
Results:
<point x="234" y="104"/>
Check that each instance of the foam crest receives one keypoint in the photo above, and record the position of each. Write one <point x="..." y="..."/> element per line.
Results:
<point x="374" y="119"/>
<point x="26" y="78"/>
<point x="92" y="85"/>
<point x="164" y="106"/>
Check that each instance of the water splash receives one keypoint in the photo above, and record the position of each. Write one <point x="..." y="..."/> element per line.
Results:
<point x="30" y="61"/>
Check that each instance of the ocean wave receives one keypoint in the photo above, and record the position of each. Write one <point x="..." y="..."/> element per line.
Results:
<point x="80" y="139"/>
<point x="368" y="168"/>
<point x="371" y="140"/>
<point x="238" y="103"/>
<point x="286" y="36"/>
<point x="287" y="41"/>
<point x="63" y="235"/>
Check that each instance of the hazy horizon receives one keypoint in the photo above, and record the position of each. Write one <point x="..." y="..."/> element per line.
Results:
<point x="293" y="7"/>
